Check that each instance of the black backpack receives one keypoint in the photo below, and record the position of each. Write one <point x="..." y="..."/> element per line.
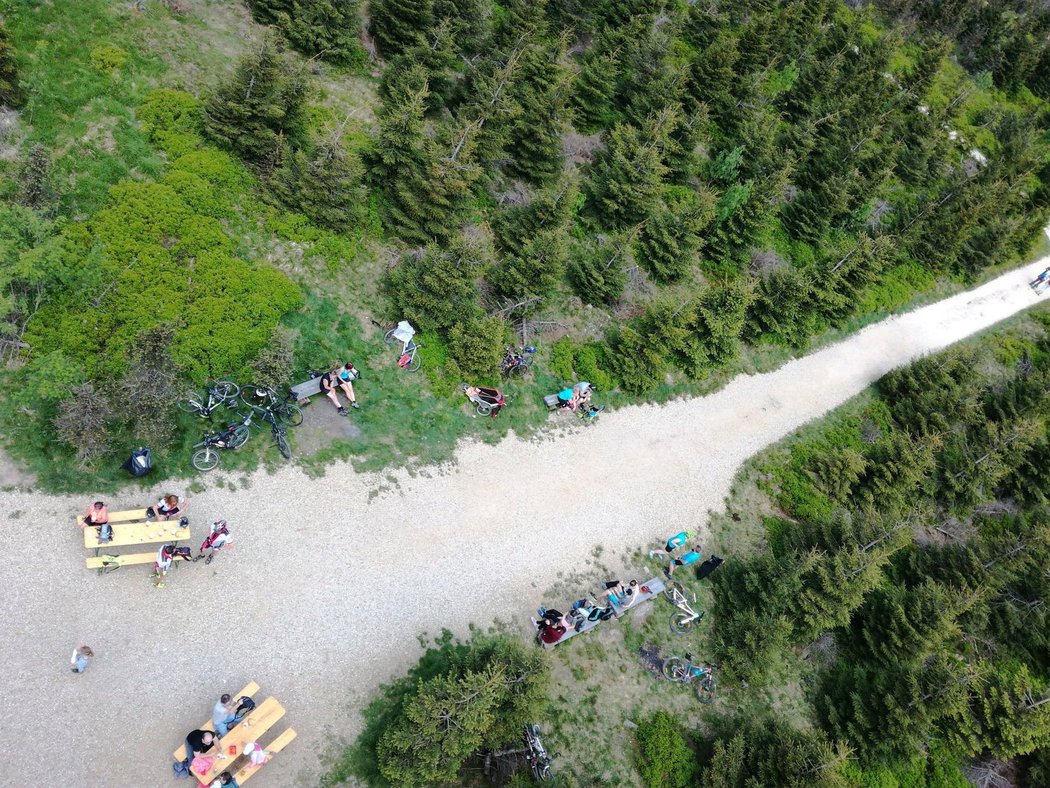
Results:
<point x="245" y="706"/>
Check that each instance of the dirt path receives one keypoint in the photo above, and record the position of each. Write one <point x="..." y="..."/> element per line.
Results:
<point x="329" y="586"/>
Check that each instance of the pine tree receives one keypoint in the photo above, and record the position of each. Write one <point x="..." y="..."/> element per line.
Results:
<point x="398" y="25"/>
<point x="671" y="240"/>
<point x="535" y="136"/>
<point x="626" y="178"/>
<point x="841" y="278"/>
<point x="1011" y="715"/>
<point x="261" y="107"/>
<point x="329" y="29"/>
<point x="783" y="308"/>
<point x="437" y="288"/>
<point x="635" y="360"/>
<point x="595" y="87"/>
<point x="469" y="21"/>
<point x="596" y="271"/>
<point x="720" y="319"/>
<point x="897" y="466"/>
<point x="324" y="184"/>
<point x="399" y="147"/>
<point x="11" y="93"/>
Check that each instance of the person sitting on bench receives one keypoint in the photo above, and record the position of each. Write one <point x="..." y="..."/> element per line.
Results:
<point x="96" y="514"/>
<point x="550" y="632"/>
<point x="224" y="780"/>
<point x="199" y="742"/>
<point x="567" y="399"/>
<point x="224" y="714"/>
<point x="581" y="394"/>
<point x="341" y="377"/>
<point x="623" y="596"/>
<point x="167" y="507"/>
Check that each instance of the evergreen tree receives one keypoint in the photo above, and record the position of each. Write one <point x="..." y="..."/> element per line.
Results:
<point x="842" y="278"/>
<point x="636" y="362"/>
<point x="754" y="751"/>
<point x="783" y="308"/>
<point x="626" y="178"/>
<point x="595" y="87"/>
<point x="669" y="243"/>
<point x="325" y="28"/>
<point x="399" y="147"/>
<point x="1011" y="716"/>
<point x="324" y="184"/>
<point x="720" y="320"/>
<point x="740" y="216"/>
<point x="437" y="288"/>
<point x="535" y="136"/>
<point x="261" y="107"/>
<point x="469" y="22"/>
<point x="596" y="271"/>
<point x="398" y="25"/>
<point x="11" y="93"/>
<point x="897" y="466"/>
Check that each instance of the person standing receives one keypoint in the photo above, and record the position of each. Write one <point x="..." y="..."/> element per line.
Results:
<point x="81" y="656"/>
<point x="1041" y="280"/>
<point x="673" y="544"/>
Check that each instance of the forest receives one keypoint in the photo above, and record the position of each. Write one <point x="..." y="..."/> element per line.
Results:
<point x="659" y="194"/>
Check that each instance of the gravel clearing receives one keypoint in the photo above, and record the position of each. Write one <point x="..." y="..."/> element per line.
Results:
<point x="329" y="583"/>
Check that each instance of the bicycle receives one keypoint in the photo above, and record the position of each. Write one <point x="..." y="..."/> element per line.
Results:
<point x="538" y="759"/>
<point x="279" y="432"/>
<point x="233" y="437"/>
<point x="262" y="399"/>
<point x="590" y="414"/>
<point x="219" y="393"/>
<point x="684" y="618"/>
<point x="686" y="671"/>
<point x="409" y="358"/>
<point x="517" y="364"/>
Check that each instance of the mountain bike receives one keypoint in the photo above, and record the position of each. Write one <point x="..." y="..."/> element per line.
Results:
<point x="536" y="756"/>
<point x="262" y="399"/>
<point x="686" y="671"/>
<point x="233" y="437"/>
<point x="684" y="618"/>
<point x="222" y="392"/>
<point x="409" y="358"/>
<point x="517" y="364"/>
<point x="279" y="431"/>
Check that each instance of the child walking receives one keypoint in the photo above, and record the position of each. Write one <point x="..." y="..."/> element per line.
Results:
<point x="81" y="656"/>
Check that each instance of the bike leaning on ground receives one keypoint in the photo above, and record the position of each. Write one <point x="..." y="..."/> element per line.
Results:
<point x="221" y="393"/>
<point x="686" y="671"/>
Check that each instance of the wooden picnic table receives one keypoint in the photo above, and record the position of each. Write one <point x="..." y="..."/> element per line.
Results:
<point x="125" y="534"/>
<point x="656" y="586"/>
<point x="251" y="729"/>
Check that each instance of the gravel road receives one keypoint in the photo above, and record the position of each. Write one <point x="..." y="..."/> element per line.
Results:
<point x="330" y="583"/>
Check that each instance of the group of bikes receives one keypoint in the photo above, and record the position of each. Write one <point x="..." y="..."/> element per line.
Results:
<point x="241" y="407"/>
<point x="686" y="669"/>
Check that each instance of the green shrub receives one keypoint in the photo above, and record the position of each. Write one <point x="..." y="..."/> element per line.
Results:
<point x="561" y="362"/>
<point x="898" y="286"/>
<point x="475" y="346"/>
<point x="593" y="366"/>
<point x="172" y="121"/>
<point x="665" y="758"/>
<point x="273" y="366"/>
<point x="108" y="58"/>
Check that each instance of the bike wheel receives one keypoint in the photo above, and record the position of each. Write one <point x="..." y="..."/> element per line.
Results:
<point x="239" y="437"/>
<point x="705" y="689"/>
<point x="674" y="669"/>
<point x="390" y="338"/>
<point x="225" y="389"/>
<point x="290" y="414"/>
<point x="257" y="397"/>
<point x="207" y="459"/>
<point x="483" y="409"/>
<point x="414" y="363"/>
<point x="520" y="370"/>
<point x="682" y="623"/>
<point x="282" y="444"/>
<point x="191" y="403"/>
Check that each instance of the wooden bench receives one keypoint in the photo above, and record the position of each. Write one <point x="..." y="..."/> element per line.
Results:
<point x="656" y="587"/>
<point x="249" y="691"/>
<point x="125" y="534"/>
<point x="304" y="391"/>
<point x="129" y="516"/>
<point x="264" y="717"/>
<point x="110" y="563"/>
<point x="275" y="746"/>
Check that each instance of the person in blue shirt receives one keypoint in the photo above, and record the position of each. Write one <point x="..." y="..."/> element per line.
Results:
<point x="691" y="557"/>
<point x="673" y="544"/>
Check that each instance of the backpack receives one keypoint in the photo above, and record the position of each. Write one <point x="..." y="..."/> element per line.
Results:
<point x="105" y="533"/>
<point x="245" y="707"/>
<point x="181" y="768"/>
<point x="139" y="463"/>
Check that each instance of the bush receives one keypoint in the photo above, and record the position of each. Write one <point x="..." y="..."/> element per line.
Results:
<point x="273" y="366"/>
<point x="475" y="346"/>
<point x="561" y="363"/>
<point x="460" y="699"/>
<point x="593" y="366"/>
<point x="665" y="759"/>
<point x="83" y="422"/>
<point x="172" y="121"/>
<point x="108" y="58"/>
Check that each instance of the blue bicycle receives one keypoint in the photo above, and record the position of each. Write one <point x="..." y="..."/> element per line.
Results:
<point x="685" y="670"/>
